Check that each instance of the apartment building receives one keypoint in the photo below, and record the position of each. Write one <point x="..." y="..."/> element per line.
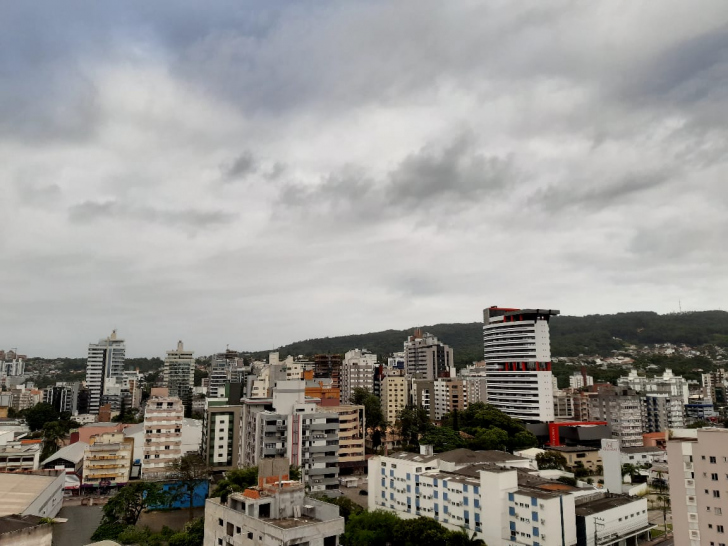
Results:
<point x="220" y="369"/>
<point x="667" y="383"/>
<point x="357" y="372"/>
<point x="63" y="396"/>
<point x="20" y="456"/>
<point x="394" y="396"/>
<point x="441" y="396"/>
<point x="517" y="352"/>
<point x="179" y="372"/>
<point x="105" y="360"/>
<point x="352" y="428"/>
<point x="328" y="366"/>
<point x="624" y="412"/>
<point x="276" y="511"/>
<point x="714" y="386"/>
<point x="107" y="460"/>
<point x="475" y="382"/>
<point x="579" y="381"/>
<point x="663" y="412"/>
<point x="163" y="421"/>
<point x="698" y="468"/>
<point x="427" y="358"/>
<point x="221" y="432"/>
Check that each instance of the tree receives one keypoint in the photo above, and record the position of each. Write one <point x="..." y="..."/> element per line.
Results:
<point x="189" y="471"/>
<point x="236" y="480"/>
<point x="461" y="538"/>
<point x="53" y="433"/>
<point x="442" y="439"/>
<point x="193" y="534"/>
<point x="491" y="439"/>
<point x="369" y="528"/>
<point x="375" y="422"/>
<point x="129" y="502"/>
<point x="347" y="507"/>
<point x="294" y="473"/>
<point x="420" y="532"/>
<point x="412" y="422"/>
<point x="39" y="415"/>
<point x="630" y="470"/>
<point x="550" y="460"/>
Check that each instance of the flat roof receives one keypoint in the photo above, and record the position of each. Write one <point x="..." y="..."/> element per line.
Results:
<point x="460" y="456"/>
<point x="642" y="449"/>
<point x="606" y="503"/>
<point x="20" y="490"/>
<point x="16" y="522"/>
<point x="572" y="449"/>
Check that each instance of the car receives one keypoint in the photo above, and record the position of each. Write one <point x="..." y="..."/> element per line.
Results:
<point x="363" y="492"/>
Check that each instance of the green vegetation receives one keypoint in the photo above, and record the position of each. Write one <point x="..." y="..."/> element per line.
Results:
<point x="491" y="428"/>
<point x="570" y="336"/>
<point x="189" y="470"/>
<point x="379" y="527"/>
<point x="191" y="535"/>
<point x="376" y="424"/>
<point x="551" y="460"/>
<point x="347" y="507"/>
<point x="240" y="479"/>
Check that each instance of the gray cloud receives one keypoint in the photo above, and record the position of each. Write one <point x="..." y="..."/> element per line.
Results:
<point x="364" y="165"/>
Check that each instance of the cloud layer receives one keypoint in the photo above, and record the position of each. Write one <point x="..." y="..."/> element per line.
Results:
<point x="253" y="174"/>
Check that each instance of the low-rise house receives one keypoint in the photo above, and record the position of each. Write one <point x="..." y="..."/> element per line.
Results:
<point x="38" y="494"/>
<point x="587" y="456"/>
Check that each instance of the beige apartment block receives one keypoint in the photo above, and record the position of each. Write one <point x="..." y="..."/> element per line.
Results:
<point x="587" y="456"/>
<point x="351" y="434"/>
<point x="394" y="396"/>
<point x="107" y="459"/>
<point x="698" y="468"/>
<point x="163" y="420"/>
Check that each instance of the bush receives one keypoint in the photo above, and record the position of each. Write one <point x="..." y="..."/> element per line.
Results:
<point x="109" y="531"/>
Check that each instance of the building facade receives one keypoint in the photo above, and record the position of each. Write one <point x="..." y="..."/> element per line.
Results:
<point x="517" y="351"/>
<point x="163" y="420"/>
<point x="427" y="358"/>
<point x="623" y="411"/>
<point x="394" y="396"/>
<point x="107" y="460"/>
<point x="357" y="372"/>
<point x="352" y="428"/>
<point x="179" y="372"/>
<point x="105" y="360"/>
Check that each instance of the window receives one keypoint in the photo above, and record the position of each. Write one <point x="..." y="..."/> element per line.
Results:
<point x="718" y="511"/>
<point x="713" y="460"/>
<point x="719" y="528"/>
<point x="219" y="521"/>
<point x="219" y="542"/>
<point x="237" y="530"/>
<point x="230" y="529"/>
<point x="714" y="477"/>
<point x="716" y="494"/>
<point x="250" y="536"/>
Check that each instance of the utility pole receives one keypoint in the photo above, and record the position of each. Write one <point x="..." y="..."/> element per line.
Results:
<point x="598" y="522"/>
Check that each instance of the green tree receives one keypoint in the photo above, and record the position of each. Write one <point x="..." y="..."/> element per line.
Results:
<point x="294" y="473"/>
<point x="550" y="460"/>
<point x="412" y="422"/>
<point x="188" y="471"/>
<point x="630" y="470"/>
<point x="442" y="439"/>
<point x="235" y="480"/>
<point x="368" y="528"/>
<point x="420" y="532"/>
<point x="39" y="415"/>
<point x="53" y="434"/>
<point x="375" y="422"/>
<point x="129" y="502"/>
<point x="461" y="538"/>
<point x="490" y="439"/>
<point x="193" y="534"/>
<point x="347" y="507"/>
<point x="109" y="530"/>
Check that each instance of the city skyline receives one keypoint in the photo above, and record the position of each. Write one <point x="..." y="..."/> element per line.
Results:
<point x="263" y="173"/>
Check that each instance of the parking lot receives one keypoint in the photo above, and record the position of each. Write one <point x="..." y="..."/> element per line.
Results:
<point x="353" y="492"/>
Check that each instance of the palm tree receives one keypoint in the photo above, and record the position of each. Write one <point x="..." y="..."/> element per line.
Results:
<point x="461" y="538"/>
<point x="629" y="469"/>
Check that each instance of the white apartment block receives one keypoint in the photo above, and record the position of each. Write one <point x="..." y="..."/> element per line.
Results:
<point x="667" y="383"/>
<point x="394" y="396"/>
<point x="476" y="382"/>
<point x="275" y="512"/>
<point x="357" y="372"/>
<point x="105" y="360"/>
<point x="441" y="396"/>
<point x="624" y="411"/>
<point x="163" y="421"/>
<point x="517" y="352"/>
<point x="576" y="381"/>
<point x="107" y="460"/>
<point x="220" y="370"/>
<point x="179" y="371"/>
<point x="698" y="468"/>
<point x="663" y="412"/>
<point x="502" y="500"/>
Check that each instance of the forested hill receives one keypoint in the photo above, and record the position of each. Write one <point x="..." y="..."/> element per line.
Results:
<point x="570" y="336"/>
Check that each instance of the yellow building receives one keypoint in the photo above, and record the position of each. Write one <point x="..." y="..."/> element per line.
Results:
<point x="107" y="460"/>
<point x="394" y="396"/>
<point x="351" y="434"/>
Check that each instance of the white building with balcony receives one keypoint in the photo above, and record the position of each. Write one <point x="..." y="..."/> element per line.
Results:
<point x="517" y="352"/>
<point x="163" y="422"/>
<point x="107" y="460"/>
<point x="357" y="372"/>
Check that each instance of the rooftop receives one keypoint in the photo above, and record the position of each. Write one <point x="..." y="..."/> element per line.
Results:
<point x="605" y="503"/>
<point x="460" y="456"/>
<point x="643" y="449"/>
<point x="16" y="522"/>
<point x="573" y="449"/>
<point x="20" y="490"/>
<point x="73" y="453"/>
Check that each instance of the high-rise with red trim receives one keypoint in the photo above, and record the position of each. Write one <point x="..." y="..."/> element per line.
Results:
<point x="517" y="349"/>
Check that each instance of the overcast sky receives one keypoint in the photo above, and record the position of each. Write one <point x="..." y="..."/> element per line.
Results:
<point x="256" y="173"/>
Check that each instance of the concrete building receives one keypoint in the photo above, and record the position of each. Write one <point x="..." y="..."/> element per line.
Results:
<point x="21" y="455"/>
<point x="221" y="430"/>
<point x="63" y="396"/>
<point x="351" y="435"/>
<point x="68" y="458"/>
<point x="605" y="519"/>
<point x="517" y="351"/>
<point x="295" y="428"/>
<point x="663" y="412"/>
<point x="624" y="412"/>
<point x="107" y="460"/>
<point x="699" y="409"/>
<point x="105" y="360"/>
<point x="427" y="358"/>
<point x="475" y="382"/>
<point x="714" y="386"/>
<point x="357" y="372"/>
<point x="220" y="370"/>
<point x="587" y="456"/>
<point x="179" y="372"/>
<point x="644" y="455"/>
<point x="491" y="494"/>
<point x="395" y="396"/>
<point x="328" y="366"/>
<point x="440" y="396"/>
<point x="699" y="501"/>
<point x="163" y="420"/>
<point x="576" y="381"/>
<point x="667" y="383"/>
<point x="274" y="513"/>
<point x="38" y="494"/>
<point x="17" y="530"/>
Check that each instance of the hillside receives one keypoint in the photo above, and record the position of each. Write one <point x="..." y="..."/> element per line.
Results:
<point x="570" y="336"/>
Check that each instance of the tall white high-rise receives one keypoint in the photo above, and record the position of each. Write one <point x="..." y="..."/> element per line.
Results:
<point x="517" y="351"/>
<point x="425" y="357"/>
<point x="179" y="371"/>
<point x="105" y="360"/>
